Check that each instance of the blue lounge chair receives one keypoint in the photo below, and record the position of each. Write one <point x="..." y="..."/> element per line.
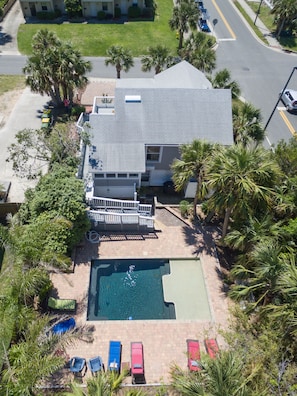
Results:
<point x="114" y="357"/>
<point x="77" y="365"/>
<point x="95" y="364"/>
<point x="63" y="326"/>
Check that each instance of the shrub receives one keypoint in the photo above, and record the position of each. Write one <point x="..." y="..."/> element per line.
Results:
<point x="108" y="16"/>
<point x="58" y="13"/>
<point x="73" y="8"/>
<point x="77" y="110"/>
<point x="45" y="15"/>
<point x="101" y="15"/>
<point x="185" y="208"/>
<point x="148" y="13"/>
<point x="134" y="12"/>
<point x="117" y="12"/>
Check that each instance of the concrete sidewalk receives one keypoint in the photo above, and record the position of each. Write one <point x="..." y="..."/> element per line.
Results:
<point x="25" y="114"/>
<point x="273" y="43"/>
<point x="9" y="30"/>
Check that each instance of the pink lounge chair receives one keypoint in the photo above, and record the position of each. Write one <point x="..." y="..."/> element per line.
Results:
<point x="137" y="363"/>
<point x="211" y="347"/>
<point x="193" y="351"/>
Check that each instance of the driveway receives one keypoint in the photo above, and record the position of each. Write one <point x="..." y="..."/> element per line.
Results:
<point x="25" y="114"/>
<point x="9" y="29"/>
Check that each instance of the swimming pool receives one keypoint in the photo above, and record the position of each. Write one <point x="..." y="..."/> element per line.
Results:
<point x="128" y="289"/>
<point x="143" y="289"/>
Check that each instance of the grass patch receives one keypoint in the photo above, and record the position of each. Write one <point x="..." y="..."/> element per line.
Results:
<point x="251" y="23"/>
<point x="94" y="39"/>
<point x="265" y="14"/>
<point x="11" y="83"/>
<point x="289" y="43"/>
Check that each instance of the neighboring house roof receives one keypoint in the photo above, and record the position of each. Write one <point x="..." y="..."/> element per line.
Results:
<point x="167" y="114"/>
<point x="181" y="75"/>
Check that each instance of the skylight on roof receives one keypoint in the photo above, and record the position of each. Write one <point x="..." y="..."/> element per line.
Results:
<point x="132" y="98"/>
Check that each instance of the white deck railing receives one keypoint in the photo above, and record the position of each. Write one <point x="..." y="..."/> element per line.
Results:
<point x="107" y="218"/>
<point x="119" y="206"/>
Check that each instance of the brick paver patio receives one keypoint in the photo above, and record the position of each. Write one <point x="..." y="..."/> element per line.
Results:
<point x="164" y="341"/>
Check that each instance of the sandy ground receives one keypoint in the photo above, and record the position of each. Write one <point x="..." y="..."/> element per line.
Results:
<point x="7" y="103"/>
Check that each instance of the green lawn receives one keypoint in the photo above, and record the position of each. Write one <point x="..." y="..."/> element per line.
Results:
<point x="92" y="39"/>
<point x="250" y="22"/>
<point x="10" y="83"/>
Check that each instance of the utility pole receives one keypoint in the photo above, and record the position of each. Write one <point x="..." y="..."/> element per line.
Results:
<point x="258" y="12"/>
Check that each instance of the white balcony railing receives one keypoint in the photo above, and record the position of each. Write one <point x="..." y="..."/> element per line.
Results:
<point x="119" y="206"/>
<point x="105" y="219"/>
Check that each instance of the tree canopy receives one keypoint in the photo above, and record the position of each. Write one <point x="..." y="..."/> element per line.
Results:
<point x="158" y="58"/>
<point x="184" y="17"/>
<point x="119" y="57"/>
<point x="56" y="69"/>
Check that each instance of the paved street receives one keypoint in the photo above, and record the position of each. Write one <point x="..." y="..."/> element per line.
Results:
<point x="260" y="70"/>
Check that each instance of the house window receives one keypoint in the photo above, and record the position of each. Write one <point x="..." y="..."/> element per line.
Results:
<point x="133" y="175"/>
<point x="104" y="7"/>
<point x="153" y="153"/>
<point x="99" y="175"/>
<point x="122" y="175"/>
<point x="44" y="8"/>
<point x="145" y="177"/>
<point x="110" y="175"/>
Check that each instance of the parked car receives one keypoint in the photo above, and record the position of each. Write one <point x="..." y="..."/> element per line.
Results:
<point x="202" y="23"/>
<point x="204" y="13"/>
<point x="200" y="4"/>
<point x="289" y="99"/>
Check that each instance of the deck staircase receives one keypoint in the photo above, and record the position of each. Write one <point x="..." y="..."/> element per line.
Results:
<point x="120" y="215"/>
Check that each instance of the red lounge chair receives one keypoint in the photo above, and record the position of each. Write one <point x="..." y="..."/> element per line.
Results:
<point x="211" y="347"/>
<point x="137" y="366"/>
<point x="193" y="350"/>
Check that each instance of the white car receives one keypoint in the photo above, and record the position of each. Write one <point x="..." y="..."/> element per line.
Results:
<point x="289" y="99"/>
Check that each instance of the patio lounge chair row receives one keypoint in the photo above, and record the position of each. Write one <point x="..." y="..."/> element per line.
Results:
<point x="193" y="352"/>
<point x="79" y="365"/>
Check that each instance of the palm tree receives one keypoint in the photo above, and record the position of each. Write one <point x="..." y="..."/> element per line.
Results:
<point x="286" y="156"/>
<point x="223" y="376"/>
<point x="204" y="59"/>
<point x="103" y="384"/>
<point x="184" y="17"/>
<point x="55" y="68"/>
<point x="119" y="57"/>
<point x="222" y="80"/>
<point x="258" y="277"/>
<point x="158" y="57"/>
<point x="285" y="12"/>
<point x="247" y="235"/>
<point x="72" y="69"/>
<point x="198" y="51"/>
<point x="242" y="181"/>
<point x="32" y="360"/>
<point x="194" y="157"/>
<point x="247" y="126"/>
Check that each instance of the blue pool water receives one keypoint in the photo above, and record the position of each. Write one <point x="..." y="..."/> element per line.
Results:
<point x="128" y="289"/>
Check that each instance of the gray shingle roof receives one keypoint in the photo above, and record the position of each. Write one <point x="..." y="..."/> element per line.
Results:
<point x="166" y="115"/>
